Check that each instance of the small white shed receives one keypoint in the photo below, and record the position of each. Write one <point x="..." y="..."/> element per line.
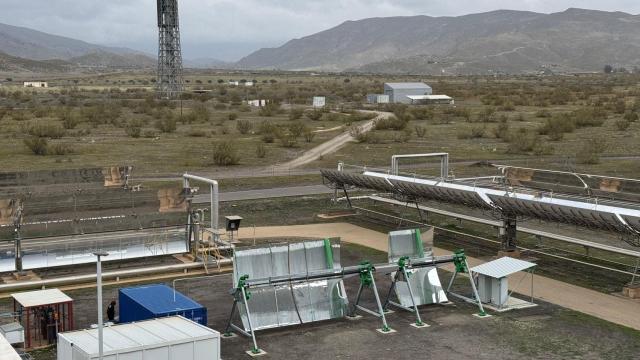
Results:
<point x="493" y="282"/>
<point x="158" y="339"/>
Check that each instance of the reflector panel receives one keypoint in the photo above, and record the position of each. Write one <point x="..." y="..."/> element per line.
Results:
<point x="298" y="302"/>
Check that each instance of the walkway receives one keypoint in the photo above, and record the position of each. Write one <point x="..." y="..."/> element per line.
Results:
<point x="607" y="307"/>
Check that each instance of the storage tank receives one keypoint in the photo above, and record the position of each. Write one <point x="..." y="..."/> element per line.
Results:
<point x="156" y="301"/>
<point x="167" y="338"/>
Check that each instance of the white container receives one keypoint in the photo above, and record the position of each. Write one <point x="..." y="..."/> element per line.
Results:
<point x="7" y="352"/>
<point x="13" y="332"/>
<point x="167" y="338"/>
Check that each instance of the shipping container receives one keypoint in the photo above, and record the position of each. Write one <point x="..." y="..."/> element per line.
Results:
<point x="155" y="301"/>
<point x="169" y="338"/>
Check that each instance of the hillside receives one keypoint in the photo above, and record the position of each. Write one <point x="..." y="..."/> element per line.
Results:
<point x="16" y="64"/>
<point x="501" y="41"/>
<point x="36" y="45"/>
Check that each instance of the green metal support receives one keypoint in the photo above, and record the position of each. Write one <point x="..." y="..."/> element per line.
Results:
<point x="368" y="281"/>
<point x="328" y="252"/>
<point x="419" y="245"/>
<point x="462" y="267"/>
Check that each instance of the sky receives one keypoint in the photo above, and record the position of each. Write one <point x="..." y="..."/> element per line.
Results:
<point x="230" y="29"/>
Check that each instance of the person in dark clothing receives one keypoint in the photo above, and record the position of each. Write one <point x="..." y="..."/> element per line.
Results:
<point x="111" y="311"/>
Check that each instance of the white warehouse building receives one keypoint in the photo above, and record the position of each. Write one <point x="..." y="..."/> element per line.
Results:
<point x="400" y="92"/>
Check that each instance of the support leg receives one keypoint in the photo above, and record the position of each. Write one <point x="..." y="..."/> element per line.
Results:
<point x="413" y="300"/>
<point x="385" y="326"/>
<point x="227" y="330"/>
<point x="393" y="286"/>
<point x="256" y="350"/>
<point x="475" y="292"/>
<point x="355" y="304"/>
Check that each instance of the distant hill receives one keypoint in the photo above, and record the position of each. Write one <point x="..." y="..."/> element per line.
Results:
<point x="16" y="64"/>
<point x="36" y="45"/>
<point x="498" y="41"/>
<point x="207" y="63"/>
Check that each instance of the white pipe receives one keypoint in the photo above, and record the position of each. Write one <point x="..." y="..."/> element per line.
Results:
<point x="444" y="162"/>
<point x="215" y="198"/>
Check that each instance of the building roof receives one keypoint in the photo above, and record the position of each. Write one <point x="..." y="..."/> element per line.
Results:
<point x="139" y="335"/>
<point x="41" y="297"/>
<point x="7" y="352"/>
<point x="408" y="85"/>
<point x="502" y="267"/>
<point x="160" y="299"/>
<point x="429" y="97"/>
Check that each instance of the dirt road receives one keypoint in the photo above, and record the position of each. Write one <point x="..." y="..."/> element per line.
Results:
<point x="617" y="310"/>
<point x="330" y="146"/>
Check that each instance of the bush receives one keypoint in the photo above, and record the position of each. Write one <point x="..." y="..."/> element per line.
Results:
<point x="52" y="131"/>
<point x="296" y="113"/>
<point x="314" y="115"/>
<point x="261" y="151"/>
<point x="225" y="154"/>
<point x="244" y="126"/>
<point x="590" y="151"/>
<point x="37" y="145"/>
<point x="557" y="126"/>
<point x="287" y="140"/>
<point x="501" y="131"/>
<point x="166" y="125"/>
<point x="60" y="149"/>
<point x="233" y="116"/>
<point x="622" y="124"/>
<point x="133" y="130"/>
<point x="296" y="129"/>
<point x="421" y="131"/>
<point x="391" y="123"/>
<point x="631" y="116"/>
<point x="476" y="132"/>
<point x="308" y="134"/>
<point x="69" y="119"/>
<point x="523" y="141"/>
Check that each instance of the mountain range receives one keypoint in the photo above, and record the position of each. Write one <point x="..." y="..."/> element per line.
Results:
<point x="575" y="40"/>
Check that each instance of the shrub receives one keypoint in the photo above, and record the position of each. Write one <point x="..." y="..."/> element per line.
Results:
<point x="501" y="131"/>
<point x="220" y="106"/>
<point x="133" y="129"/>
<point x="37" y="145"/>
<point x="308" y="134"/>
<point x="296" y="129"/>
<point x="166" y="125"/>
<point x="590" y="151"/>
<point x="391" y="123"/>
<point x="557" y="126"/>
<point x="296" y="113"/>
<point x="261" y="151"/>
<point x="314" y="115"/>
<point x="421" y="131"/>
<point x="225" y="154"/>
<point x="233" y="116"/>
<point x="631" y="116"/>
<point x="244" y="126"/>
<point x="287" y="140"/>
<point x="42" y="130"/>
<point x="475" y="132"/>
<point x="622" y="124"/>
<point x="523" y="141"/>
<point x="357" y="133"/>
<point x="69" y="119"/>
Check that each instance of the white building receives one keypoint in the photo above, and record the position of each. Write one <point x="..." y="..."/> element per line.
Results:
<point x="158" y="339"/>
<point x="400" y="92"/>
<point x="249" y="83"/>
<point x="431" y="100"/>
<point x="257" y="103"/>
<point x="234" y="83"/>
<point x="319" y="101"/>
<point x="377" y="99"/>
<point x="36" y="84"/>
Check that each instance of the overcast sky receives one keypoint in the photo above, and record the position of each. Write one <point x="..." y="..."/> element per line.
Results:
<point x="229" y="29"/>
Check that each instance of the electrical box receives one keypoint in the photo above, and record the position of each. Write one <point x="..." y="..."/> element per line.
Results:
<point x="493" y="291"/>
<point x="233" y="222"/>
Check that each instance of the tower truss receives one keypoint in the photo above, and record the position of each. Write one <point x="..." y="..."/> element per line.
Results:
<point x="169" y="82"/>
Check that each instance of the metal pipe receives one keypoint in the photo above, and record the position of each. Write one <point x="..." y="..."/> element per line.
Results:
<point x="100" y="316"/>
<point x="108" y="275"/>
<point x="444" y="162"/>
<point x="215" y="198"/>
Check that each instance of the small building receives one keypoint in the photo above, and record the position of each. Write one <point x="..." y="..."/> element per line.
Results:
<point x="36" y="84"/>
<point x="156" y="301"/>
<point x="257" y="103"/>
<point x="234" y="83"/>
<point x="249" y="83"/>
<point x="319" y="101"/>
<point x="378" y="99"/>
<point x="43" y="313"/>
<point x="493" y="283"/>
<point x="168" y="338"/>
<point x="400" y="92"/>
<point x="431" y="100"/>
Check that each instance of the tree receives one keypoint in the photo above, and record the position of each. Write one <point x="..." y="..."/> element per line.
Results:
<point x="608" y="69"/>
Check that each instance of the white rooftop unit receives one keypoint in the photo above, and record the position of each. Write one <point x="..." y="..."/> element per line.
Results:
<point x="169" y="338"/>
<point x="493" y="283"/>
<point x="7" y="352"/>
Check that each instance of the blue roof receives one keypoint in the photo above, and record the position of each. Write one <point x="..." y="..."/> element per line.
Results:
<point x="159" y="299"/>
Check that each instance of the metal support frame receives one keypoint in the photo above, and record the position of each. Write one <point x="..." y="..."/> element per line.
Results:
<point x="367" y="280"/>
<point x="444" y="162"/>
<point x="170" y="82"/>
<point x="402" y="271"/>
<point x="242" y="295"/>
<point x="461" y="266"/>
<point x="215" y="199"/>
<point x="507" y="232"/>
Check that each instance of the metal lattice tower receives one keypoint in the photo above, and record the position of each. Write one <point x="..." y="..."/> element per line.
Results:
<point x="170" y="83"/>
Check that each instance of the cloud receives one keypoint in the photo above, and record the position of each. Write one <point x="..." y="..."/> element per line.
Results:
<point x="211" y="27"/>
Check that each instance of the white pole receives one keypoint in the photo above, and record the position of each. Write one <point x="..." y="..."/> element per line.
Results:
<point x="99" y="286"/>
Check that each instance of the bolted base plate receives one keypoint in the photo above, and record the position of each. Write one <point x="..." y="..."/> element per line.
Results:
<point x="260" y="352"/>
<point x="424" y="325"/>
<point x="390" y="331"/>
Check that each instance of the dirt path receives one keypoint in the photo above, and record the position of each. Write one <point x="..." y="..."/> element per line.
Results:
<point x="330" y="146"/>
<point x="607" y="307"/>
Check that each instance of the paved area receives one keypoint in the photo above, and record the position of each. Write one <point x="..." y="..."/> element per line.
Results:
<point x="617" y="310"/>
<point x="266" y="193"/>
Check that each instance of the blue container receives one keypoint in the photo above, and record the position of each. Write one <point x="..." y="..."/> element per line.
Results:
<point x="154" y="301"/>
